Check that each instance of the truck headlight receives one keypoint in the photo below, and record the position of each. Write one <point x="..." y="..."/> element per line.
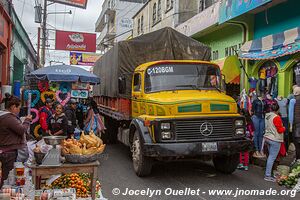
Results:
<point x="165" y="126"/>
<point x="239" y="122"/>
<point x="166" y="135"/>
<point x="240" y="131"/>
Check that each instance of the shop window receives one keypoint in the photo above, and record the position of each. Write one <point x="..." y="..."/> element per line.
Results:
<point x="215" y="55"/>
<point x="169" y="5"/>
<point x="159" y="10"/>
<point x="139" y="25"/>
<point x="142" y="24"/>
<point x="267" y="75"/>
<point x="154" y="14"/>
<point x="203" y="4"/>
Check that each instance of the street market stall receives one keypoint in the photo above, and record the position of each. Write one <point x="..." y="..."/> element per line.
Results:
<point x="57" y="168"/>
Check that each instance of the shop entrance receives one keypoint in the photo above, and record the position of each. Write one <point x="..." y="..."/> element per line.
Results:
<point x="267" y="75"/>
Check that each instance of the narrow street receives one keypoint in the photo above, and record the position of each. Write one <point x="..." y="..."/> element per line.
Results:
<point x="116" y="171"/>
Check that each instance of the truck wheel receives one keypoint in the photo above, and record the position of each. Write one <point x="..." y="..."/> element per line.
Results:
<point x="226" y="164"/>
<point x="142" y="165"/>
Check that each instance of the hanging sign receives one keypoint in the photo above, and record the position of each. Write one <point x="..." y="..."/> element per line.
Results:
<point x="230" y="9"/>
<point x="87" y="59"/>
<point x="81" y="94"/>
<point x="75" y="41"/>
<point x="75" y="3"/>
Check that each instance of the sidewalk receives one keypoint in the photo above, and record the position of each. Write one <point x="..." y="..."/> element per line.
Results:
<point x="283" y="161"/>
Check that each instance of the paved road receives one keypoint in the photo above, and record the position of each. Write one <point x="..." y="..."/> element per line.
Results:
<point x="116" y="171"/>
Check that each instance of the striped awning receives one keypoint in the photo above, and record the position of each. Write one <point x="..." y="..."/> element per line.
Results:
<point x="272" y="46"/>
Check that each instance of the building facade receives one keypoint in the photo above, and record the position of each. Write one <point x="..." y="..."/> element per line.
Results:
<point x="115" y="21"/>
<point x="23" y="58"/>
<point x="5" y="38"/>
<point x="157" y="14"/>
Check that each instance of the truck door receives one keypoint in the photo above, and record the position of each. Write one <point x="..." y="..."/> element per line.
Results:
<point x="136" y="94"/>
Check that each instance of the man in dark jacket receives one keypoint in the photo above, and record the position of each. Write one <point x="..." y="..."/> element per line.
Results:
<point x="294" y="117"/>
<point x="70" y="112"/>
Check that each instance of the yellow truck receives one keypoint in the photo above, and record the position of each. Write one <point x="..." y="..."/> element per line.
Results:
<point x="169" y="108"/>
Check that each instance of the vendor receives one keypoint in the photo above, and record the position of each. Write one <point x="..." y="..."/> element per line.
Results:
<point x="12" y="134"/>
<point x="70" y="112"/>
<point x="58" y="123"/>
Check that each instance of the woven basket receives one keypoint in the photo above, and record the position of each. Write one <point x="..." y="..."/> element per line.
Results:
<point x="75" y="158"/>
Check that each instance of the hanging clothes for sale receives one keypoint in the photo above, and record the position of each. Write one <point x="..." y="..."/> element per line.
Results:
<point x="245" y="101"/>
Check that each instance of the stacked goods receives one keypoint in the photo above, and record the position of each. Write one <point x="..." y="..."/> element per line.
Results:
<point x="87" y="145"/>
<point x="80" y="182"/>
<point x="291" y="180"/>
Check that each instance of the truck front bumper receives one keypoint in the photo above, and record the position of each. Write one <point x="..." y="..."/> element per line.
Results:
<point x="193" y="149"/>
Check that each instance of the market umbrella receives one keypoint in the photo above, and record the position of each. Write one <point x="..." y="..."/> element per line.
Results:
<point x="65" y="73"/>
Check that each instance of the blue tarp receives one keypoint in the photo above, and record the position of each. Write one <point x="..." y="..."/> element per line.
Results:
<point x="65" y="73"/>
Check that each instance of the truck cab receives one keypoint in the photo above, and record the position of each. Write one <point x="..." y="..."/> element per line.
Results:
<point x="179" y="110"/>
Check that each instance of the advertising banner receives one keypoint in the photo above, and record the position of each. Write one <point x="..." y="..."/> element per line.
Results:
<point x="88" y="59"/>
<point x="75" y="41"/>
<point x="76" y="3"/>
<point x="231" y="8"/>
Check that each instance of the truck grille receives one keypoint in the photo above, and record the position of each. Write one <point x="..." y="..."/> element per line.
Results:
<point x="190" y="130"/>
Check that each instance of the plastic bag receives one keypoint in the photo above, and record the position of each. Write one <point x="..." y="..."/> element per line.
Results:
<point x="44" y="147"/>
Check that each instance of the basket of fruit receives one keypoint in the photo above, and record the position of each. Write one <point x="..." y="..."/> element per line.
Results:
<point x="87" y="149"/>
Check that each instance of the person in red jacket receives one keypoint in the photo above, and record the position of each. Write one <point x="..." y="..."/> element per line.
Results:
<point x="45" y="114"/>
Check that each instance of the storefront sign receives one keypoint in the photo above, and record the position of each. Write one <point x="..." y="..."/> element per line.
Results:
<point x="88" y="59"/>
<point x="231" y="8"/>
<point x="125" y="23"/>
<point x="76" y="3"/>
<point x="75" y="41"/>
<point x="81" y="94"/>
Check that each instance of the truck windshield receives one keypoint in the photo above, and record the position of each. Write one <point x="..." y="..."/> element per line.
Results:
<point x="177" y="76"/>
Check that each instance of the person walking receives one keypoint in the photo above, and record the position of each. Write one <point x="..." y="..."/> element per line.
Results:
<point x="258" y="119"/>
<point x="294" y="119"/>
<point x="58" y="123"/>
<point x="70" y="112"/>
<point x="45" y="114"/>
<point x="93" y="121"/>
<point x="274" y="136"/>
<point x="12" y="134"/>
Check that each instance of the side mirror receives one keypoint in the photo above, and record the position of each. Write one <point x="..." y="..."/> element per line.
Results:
<point x="223" y="83"/>
<point x="122" y="85"/>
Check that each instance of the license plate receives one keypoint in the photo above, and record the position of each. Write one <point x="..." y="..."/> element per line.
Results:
<point x="209" y="146"/>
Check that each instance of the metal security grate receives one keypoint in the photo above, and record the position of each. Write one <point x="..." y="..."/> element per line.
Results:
<point x="190" y="130"/>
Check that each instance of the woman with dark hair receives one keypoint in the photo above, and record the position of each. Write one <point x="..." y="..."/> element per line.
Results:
<point x="12" y="134"/>
<point x="58" y="123"/>
<point x="273" y="138"/>
<point x="94" y="121"/>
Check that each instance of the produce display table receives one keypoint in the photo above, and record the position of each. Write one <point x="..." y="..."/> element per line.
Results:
<point x="67" y="168"/>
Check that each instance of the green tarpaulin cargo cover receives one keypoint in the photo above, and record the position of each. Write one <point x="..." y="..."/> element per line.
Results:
<point x="121" y="60"/>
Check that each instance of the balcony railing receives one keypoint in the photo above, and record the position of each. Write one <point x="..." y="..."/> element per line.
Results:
<point x="104" y="17"/>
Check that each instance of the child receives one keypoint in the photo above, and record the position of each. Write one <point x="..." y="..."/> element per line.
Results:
<point x="244" y="156"/>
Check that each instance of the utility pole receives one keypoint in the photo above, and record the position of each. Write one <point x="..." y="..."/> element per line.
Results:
<point x="44" y="31"/>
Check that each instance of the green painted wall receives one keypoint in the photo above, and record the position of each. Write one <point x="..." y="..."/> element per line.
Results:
<point x="228" y="36"/>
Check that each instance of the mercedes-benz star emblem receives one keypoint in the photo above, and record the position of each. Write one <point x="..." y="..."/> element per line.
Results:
<point x="206" y="129"/>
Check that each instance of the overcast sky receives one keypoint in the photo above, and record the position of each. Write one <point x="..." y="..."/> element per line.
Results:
<point x="80" y="20"/>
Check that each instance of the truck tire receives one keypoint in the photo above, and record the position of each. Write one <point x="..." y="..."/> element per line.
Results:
<point x="226" y="164"/>
<point x="142" y="165"/>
